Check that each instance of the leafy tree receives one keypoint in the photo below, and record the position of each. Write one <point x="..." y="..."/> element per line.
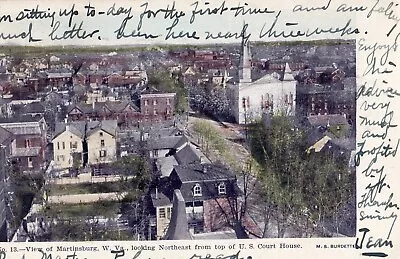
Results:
<point x="137" y="167"/>
<point x="24" y="188"/>
<point x="302" y="189"/>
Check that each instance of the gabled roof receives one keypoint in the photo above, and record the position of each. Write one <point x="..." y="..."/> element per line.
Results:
<point x="187" y="155"/>
<point x="100" y="106"/>
<point x="170" y="142"/>
<point x="77" y="128"/>
<point x="120" y="106"/>
<point x="108" y="126"/>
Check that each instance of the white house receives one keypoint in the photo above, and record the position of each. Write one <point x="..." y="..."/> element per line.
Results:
<point x="274" y="93"/>
<point x="68" y="145"/>
<point x="101" y="141"/>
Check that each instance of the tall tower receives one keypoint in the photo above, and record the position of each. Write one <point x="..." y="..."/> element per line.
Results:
<point x="245" y="62"/>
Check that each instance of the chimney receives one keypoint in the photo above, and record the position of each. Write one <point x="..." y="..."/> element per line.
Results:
<point x="156" y="193"/>
<point x="93" y="104"/>
<point x="66" y="120"/>
<point x="66" y="127"/>
<point x="204" y="169"/>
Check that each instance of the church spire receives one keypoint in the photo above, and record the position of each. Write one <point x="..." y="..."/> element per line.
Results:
<point x="287" y="74"/>
<point x="245" y="62"/>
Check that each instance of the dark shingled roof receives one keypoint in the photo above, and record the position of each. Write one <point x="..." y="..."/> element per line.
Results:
<point x="159" y="199"/>
<point x="172" y="142"/>
<point x="35" y="107"/>
<point x="202" y="172"/>
<point x="187" y="155"/>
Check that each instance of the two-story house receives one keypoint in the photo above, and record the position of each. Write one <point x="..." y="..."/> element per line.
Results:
<point x="68" y="142"/>
<point x="28" y="149"/>
<point x="101" y="138"/>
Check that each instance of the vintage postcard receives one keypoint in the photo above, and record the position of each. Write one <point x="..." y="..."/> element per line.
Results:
<point x="243" y="129"/>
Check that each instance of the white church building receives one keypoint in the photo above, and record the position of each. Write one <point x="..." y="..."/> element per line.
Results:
<point x="273" y="93"/>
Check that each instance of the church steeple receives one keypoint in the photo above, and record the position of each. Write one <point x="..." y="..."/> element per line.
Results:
<point x="245" y="62"/>
<point x="287" y="75"/>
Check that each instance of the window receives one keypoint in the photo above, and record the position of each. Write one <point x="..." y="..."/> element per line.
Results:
<point x="154" y="102"/>
<point x="58" y="145"/>
<point x="169" y="212"/>
<point x="161" y="212"/>
<point x="245" y="102"/>
<point x="73" y="145"/>
<point x="102" y="143"/>
<point x="101" y="134"/>
<point x="168" y="101"/>
<point x="221" y="188"/>
<point x="146" y="102"/>
<point x="60" y="158"/>
<point x="27" y="143"/>
<point x="168" y="112"/>
<point x="155" y="112"/>
<point x="30" y="162"/>
<point x="146" y="112"/>
<point x="103" y="153"/>
<point x="155" y="153"/>
<point x="197" y="190"/>
<point x="63" y="144"/>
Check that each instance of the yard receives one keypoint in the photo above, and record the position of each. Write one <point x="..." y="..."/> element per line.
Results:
<point x="101" y="208"/>
<point x="84" y="188"/>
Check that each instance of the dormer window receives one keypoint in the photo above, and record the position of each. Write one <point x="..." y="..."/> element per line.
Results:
<point x="197" y="190"/>
<point x="221" y="188"/>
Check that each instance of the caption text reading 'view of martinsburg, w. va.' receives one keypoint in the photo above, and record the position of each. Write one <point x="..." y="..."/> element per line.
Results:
<point x="243" y="140"/>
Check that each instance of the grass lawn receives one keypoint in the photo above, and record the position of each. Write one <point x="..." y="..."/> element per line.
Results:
<point x="83" y="188"/>
<point x="101" y="208"/>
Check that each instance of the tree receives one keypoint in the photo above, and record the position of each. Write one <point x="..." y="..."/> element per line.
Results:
<point x="304" y="189"/>
<point x="137" y="167"/>
<point x="24" y="188"/>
